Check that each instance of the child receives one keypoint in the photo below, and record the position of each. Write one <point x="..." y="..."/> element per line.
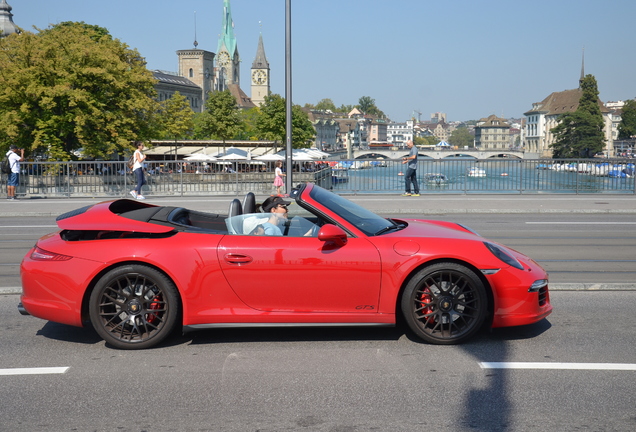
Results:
<point x="278" y="180"/>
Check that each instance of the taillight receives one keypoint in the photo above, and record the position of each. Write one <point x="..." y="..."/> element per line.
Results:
<point x="40" y="254"/>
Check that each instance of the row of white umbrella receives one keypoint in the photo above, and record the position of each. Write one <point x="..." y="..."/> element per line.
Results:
<point x="235" y="154"/>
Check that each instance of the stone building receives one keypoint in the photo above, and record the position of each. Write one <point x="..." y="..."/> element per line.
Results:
<point x="492" y="133"/>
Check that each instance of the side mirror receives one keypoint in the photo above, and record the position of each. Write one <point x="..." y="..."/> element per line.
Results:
<point x="329" y="232"/>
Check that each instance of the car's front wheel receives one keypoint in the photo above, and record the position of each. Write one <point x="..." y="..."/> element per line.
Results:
<point x="134" y="307"/>
<point x="445" y="303"/>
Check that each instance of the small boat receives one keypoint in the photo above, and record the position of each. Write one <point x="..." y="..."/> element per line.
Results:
<point x="400" y="173"/>
<point x="476" y="172"/>
<point x="339" y="175"/>
<point x="504" y="174"/>
<point x="435" y="178"/>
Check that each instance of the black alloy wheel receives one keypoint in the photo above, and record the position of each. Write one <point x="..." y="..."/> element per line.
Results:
<point x="445" y="303"/>
<point x="134" y="307"/>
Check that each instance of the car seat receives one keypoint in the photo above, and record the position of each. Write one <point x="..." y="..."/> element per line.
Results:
<point x="249" y="203"/>
<point x="235" y="224"/>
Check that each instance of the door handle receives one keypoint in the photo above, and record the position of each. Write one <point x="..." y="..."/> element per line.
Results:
<point x="237" y="258"/>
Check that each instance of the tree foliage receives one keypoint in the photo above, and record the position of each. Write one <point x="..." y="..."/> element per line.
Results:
<point x="367" y="105"/>
<point x="325" y="104"/>
<point x="461" y="137"/>
<point x="175" y="119"/>
<point x="580" y="134"/>
<point x="627" y="126"/>
<point x="272" y="124"/>
<point x="73" y="86"/>
<point x="221" y="118"/>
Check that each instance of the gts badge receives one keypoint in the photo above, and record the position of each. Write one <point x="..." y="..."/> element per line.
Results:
<point x="365" y="307"/>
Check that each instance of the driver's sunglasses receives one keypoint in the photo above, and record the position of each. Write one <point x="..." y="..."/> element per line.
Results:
<point x="282" y="206"/>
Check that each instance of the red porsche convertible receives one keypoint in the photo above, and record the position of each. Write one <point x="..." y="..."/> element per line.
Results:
<point x="137" y="271"/>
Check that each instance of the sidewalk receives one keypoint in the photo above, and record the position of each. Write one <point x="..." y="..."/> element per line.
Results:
<point x="431" y="204"/>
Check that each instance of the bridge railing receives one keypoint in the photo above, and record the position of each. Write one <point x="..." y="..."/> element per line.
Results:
<point x="459" y="176"/>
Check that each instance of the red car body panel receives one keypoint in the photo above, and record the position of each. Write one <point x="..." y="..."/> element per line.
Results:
<point x="234" y="279"/>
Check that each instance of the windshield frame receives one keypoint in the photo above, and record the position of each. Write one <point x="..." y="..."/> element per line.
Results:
<point x="362" y="219"/>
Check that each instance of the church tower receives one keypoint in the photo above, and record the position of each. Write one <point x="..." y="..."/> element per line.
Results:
<point x="7" y="26"/>
<point x="227" y="55"/>
<point x="260" y="75"/>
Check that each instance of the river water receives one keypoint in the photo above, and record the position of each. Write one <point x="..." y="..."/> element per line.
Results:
<point x="501" y="176"/>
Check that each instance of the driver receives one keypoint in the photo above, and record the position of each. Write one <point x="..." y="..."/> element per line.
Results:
<point x="276" y="208"/>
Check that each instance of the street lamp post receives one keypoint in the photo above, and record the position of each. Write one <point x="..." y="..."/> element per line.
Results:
<point x="288" y="97"/>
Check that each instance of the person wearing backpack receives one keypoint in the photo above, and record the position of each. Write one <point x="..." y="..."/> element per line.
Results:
<point x="14" y="175"/>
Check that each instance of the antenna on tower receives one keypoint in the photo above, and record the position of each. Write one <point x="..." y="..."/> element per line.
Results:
<point x="196" y="44"/>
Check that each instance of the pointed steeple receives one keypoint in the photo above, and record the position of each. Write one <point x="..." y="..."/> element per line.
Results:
<point x="582" y="67"/>
<point x="7" y="26"/>
<point x="227" y="38"/>
<point x="260" y="61"/>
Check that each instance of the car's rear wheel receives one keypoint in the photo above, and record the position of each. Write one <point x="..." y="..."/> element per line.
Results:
<point x="445" y="303"/>
<point x="134" y="307"/>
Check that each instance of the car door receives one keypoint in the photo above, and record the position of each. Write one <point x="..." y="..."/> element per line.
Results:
<point x="302" y="274"/>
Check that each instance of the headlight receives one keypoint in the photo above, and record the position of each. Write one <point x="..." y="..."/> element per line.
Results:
<point x="537" y="285"/>
<point x="504" y="256"/>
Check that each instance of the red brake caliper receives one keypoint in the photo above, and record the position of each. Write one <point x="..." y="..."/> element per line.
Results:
<point x="153" y="318"/>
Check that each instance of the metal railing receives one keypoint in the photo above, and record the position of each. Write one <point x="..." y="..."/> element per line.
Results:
<point x="461" y="176"/>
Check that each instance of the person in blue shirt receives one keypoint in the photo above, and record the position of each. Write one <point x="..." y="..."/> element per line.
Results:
<point x="411" y="171"/>
<point x="276" y="207"/>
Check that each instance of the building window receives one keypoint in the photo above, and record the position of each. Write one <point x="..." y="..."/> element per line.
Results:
<point x="191" y="73"/>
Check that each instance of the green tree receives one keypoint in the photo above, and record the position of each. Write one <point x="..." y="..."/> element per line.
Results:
<point x="367" y="105"/>
<point x="627" y="126"/>
<point x="580" y="134"/>
<point x="248" y="124"/>
<point x="73" y="86"/>
<point x="221" y="118"/>
<point x="425" y="141"/>
<point x="325" y="104"/>
<point x="461" y="137"/>
<point x="272" y="125"/>
<point x="345" y="109"/>
<point x="175" y="119"/>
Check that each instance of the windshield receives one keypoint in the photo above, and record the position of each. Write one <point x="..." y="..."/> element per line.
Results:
<point x="363" y="219"/>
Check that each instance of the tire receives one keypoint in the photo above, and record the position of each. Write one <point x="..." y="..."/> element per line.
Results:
<point x="134" y="307"/>
<point x="445" y="303"/>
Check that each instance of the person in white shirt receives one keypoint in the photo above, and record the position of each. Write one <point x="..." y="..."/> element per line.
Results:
<point x="14" y="177"/>
<point x="138" y="169"/>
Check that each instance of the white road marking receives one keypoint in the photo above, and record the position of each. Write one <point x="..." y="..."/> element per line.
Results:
<point x="34" y="371"/>
<point x="29" y="226"/>
<point x="548" y="365"/>
<point x="580" y="223"/>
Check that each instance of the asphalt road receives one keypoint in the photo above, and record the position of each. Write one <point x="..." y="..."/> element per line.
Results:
<point x="348" y="379"/>
<point x="579" y="251"/>
<point x="328" y="379"/>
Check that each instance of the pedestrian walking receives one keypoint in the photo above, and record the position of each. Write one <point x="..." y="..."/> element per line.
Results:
<point x="411" y="171"/>
<point x="278" y="179"/>
<point x="138" y="170"/>
<point x="14" y="176"/>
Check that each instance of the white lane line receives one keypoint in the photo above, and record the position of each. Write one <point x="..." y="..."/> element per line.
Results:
<point x="34" y="371"/>
<point x="29" y="226"/>
<point x="580" y="223"/>
<point x="547" y="365"/>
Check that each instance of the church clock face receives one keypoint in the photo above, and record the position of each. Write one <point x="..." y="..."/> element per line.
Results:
<point x="223" y="58"/>
<point x="259" y="77"/>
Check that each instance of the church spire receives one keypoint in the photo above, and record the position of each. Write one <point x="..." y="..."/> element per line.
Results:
<point x="260" y="61"/>
<point x="582" y="68"/>
<point x="227" y="38"/>
<point x="7" y="26"/>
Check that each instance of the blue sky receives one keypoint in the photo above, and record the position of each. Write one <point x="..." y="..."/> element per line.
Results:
<point x="466" y="58"/>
